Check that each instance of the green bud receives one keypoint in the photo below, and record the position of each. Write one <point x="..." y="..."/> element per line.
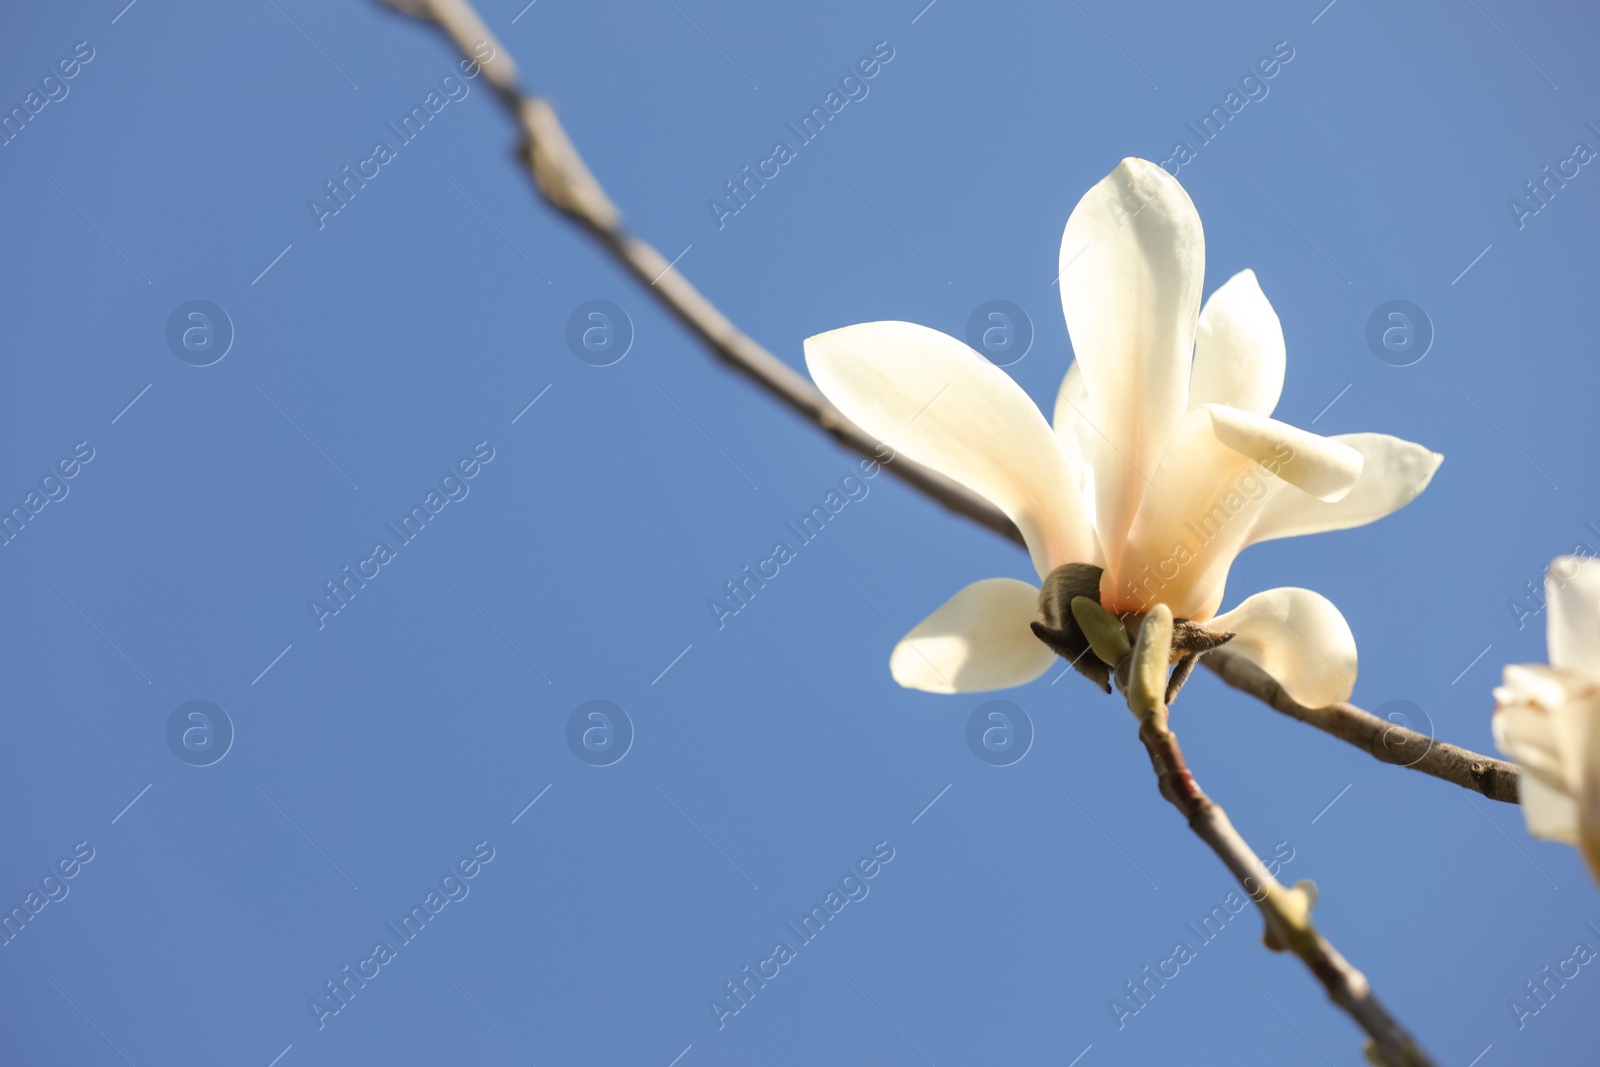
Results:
<point x="1103" y="629"/>
<point x="1152" y="653"/>
<point x="1292" y="930"/>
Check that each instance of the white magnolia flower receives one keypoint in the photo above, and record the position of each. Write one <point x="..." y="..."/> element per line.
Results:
<point x="1163" y="463"/>
<point x="1547" y="716"/>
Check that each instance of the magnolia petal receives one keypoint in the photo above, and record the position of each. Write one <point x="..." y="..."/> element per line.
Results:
<point x="1551" y="814"/>
<point x="1572" y="589"/>
<point x="979" y="639"/>
<point x="1548" y="720"/>
<point x="937" y="401"/>
<point x="1190" y="526"/>
<point x="1527" y="725"/>
<point x="1220" y="468"/>
<point x="1299" y="638"/>
<point x="1319" y="466"/>
<point x="1071" y="422"/>
<point x="1132" y="261"/>
<point x="1239" y="353"/>
<point x="1393" y="473"/>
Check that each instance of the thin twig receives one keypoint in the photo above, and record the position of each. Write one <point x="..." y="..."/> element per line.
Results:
<point x="1347" y="986"/>
<point x="566" y="182"/>
<point x="1286" y="911"/>
<point x="1385" y="741"/>
<point x="564" y="179"/>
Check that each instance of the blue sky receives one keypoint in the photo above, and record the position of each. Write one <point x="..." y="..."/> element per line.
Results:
<point x="380" y="352"/>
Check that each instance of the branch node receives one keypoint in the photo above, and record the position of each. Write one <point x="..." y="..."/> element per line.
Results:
<point x="1288" y="926"/>
<point x="560" y="172"/>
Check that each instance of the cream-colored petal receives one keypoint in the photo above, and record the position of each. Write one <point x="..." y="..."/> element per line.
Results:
<point x="1530" y="728"/>
<point x="1320" y="466"/>
<point x="1393" y="473"/>
<point x="978" y="640"/>
<point x="1071" y="423"/>
<point x="933" y="399"/>
<point x="1550" y="813"/>
<point x="1239" y="349"/>
<point x="1132" y="261"/>
<point x="1221" y="466"/>
<point x="1299" y="638"/>
<point x="1572" y="589"/>
<point x="1548" y="720"/>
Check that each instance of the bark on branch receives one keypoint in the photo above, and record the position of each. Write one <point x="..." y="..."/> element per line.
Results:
<point x="1286" y="911"/>
<point x="1142" y="678"/>
<point x="1385" y="741"/>
<point x="564" y="179"/>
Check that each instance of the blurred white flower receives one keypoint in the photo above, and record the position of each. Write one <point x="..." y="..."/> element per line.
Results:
<point x="1547" y="716"/>
<point x="1163" y="462"/>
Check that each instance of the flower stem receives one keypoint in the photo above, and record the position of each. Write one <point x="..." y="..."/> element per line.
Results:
<point x="1385" y="741"/>
<point x="1285" y="910"/>
<point x="1289" y="926"/>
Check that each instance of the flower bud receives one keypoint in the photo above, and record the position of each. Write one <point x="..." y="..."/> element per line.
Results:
<point x="1103" y="630"/>
<point x="1152" y="653"/>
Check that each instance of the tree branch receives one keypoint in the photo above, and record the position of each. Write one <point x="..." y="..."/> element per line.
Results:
<point x="1142" y="678"/>
<point x="1288" y="929"/>
<point x="567" y="184"/>
<point x="1385" y="741"/>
